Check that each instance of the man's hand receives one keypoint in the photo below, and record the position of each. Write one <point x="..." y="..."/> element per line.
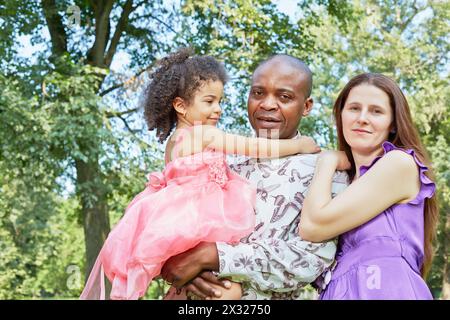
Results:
<point x="182" y="268"/>
<point x="203" y="285"/>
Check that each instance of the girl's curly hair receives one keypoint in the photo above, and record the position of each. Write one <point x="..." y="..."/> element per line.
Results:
<point x="178" y="75"/>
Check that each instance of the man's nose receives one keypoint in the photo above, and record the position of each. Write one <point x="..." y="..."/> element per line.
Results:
<point x="269" y="103"/>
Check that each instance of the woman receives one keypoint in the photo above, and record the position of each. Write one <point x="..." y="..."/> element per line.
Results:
<point x="387" y="216"/>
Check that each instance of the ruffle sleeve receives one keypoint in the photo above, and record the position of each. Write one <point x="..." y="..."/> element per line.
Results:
<point x="427" y="187"/>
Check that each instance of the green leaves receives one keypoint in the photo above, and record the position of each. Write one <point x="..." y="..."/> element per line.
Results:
<point x="51" y="114"/>
<point x="404" y="42"/>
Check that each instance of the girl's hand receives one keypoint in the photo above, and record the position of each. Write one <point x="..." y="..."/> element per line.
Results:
<point x="307" y="145"/>
<point x="338" y="157"/>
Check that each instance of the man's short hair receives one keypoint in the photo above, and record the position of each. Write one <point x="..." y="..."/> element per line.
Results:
<point x="296" y="63"/>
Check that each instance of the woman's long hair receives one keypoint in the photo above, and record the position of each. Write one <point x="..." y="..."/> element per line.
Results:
<point x="405" y="136"/>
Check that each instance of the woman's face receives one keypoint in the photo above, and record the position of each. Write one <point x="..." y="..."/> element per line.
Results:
<point x="366" y="118"/>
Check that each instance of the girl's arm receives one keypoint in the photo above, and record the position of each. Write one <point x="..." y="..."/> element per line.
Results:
<point x="392" y="179"/>
<point x="255" y="147"/>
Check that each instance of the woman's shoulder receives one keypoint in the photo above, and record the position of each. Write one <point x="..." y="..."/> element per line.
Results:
<point x="405" y="165"/>
<point x="400" y="161"/>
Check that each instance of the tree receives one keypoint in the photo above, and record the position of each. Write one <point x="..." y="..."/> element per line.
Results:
<point x="71" y="121"/>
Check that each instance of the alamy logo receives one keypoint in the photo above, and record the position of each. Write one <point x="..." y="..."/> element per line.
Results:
<point x="374" y="279"/>
<point x="74" y="279"/>
<point x="74" y="16"/>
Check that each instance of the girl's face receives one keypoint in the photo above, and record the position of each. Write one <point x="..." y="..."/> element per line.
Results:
<point x="366" y="118"/>
<point x="205" y="104"/>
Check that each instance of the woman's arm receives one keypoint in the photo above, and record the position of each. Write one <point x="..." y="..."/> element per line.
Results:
<point x="255" y="147"/>
<point x="392" y="179"/>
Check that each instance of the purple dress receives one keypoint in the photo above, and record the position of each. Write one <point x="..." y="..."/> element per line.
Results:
<point x="381" y="259"/>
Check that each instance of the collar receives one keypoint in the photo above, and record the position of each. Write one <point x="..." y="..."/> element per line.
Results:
<point x="297" y="136"/>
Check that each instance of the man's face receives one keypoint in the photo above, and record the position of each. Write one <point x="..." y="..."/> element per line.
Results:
<point x="277" y="101"/>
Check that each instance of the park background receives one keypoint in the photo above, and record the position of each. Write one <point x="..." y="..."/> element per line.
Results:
<point x="74" y="145"/>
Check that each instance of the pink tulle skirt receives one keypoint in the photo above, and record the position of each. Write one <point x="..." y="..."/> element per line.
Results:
<point x="195" y="199"/>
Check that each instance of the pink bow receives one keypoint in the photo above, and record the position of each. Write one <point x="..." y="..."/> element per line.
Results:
<point x="156" y="180"/>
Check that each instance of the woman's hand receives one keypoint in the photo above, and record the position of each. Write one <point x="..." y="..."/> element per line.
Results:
<point x="339" y="158"/>
<point x="204" y="286"/>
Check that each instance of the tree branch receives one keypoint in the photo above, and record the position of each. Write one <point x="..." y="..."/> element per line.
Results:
<point x="416" y="10"/>
<point x="55" y="26"/>
<point x="96" y="53"/>
<point x="128" y="126"/>
<point x="112" y="114"/>
<point x="139" y="4"/>
<point x="114" y="87"/>
<point x="132" y="132"/>
<point x="139" y="140"/>
<point x="119" y="85"/>
<point x="123" y="20"/>
<point x="157" y="19"/>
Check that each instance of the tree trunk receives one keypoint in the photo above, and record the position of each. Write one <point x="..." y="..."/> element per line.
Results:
<point x="445" y="283"/>
<point x="90" y="188"/>
<point x="446" y="276"/>
<point x="92" y="195"/>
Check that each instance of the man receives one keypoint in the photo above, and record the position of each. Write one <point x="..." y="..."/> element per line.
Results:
<point x="273" y="261"/>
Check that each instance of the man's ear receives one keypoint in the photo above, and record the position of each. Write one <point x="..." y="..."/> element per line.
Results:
<point x="180" y="106"/>
<point x="307" y="107"/>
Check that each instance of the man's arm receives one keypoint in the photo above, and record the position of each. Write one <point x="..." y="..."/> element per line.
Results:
<point x="276" y="264"/>
<point x="281" y="266"/>
<point x="268" y="264"/>
<point x="273" y="264"/>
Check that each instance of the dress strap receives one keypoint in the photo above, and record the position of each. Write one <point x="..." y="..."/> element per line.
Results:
<point x="179" y="140"/>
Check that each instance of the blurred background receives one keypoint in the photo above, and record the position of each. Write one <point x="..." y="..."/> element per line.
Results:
<point x="74" y="145"/>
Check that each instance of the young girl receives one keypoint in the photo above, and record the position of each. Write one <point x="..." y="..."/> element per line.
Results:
<point x="387" y="216"/>
<point x="196" y="198"/>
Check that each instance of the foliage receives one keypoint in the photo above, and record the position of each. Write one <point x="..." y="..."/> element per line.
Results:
<point x="409" y="44"/>
<point x="66" y="105"/>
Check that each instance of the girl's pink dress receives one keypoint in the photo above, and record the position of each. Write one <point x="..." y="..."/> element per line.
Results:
<point x="195" y="198"/>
